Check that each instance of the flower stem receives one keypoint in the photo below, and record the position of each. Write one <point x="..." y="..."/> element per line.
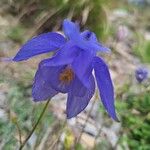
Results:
<point x="35" y="126"/>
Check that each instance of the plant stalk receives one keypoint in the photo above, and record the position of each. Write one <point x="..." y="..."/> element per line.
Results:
<point x="35" y="126"/>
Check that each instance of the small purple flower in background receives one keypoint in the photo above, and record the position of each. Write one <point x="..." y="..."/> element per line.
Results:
<point x="122" y="33"/>
<point x="70" y="69"/>
<point x="141" y="74"/>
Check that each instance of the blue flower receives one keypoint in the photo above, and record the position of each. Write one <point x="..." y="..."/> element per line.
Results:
<point x="141" y="74"/>
<point x="69" y="70"/>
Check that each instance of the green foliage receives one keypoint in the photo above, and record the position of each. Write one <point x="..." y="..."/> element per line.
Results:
<point x="97" y="19"/>
<point x="17" y="34"/>
<point x="79" y="147"/>
<point x="31" y="12"/>
<point x="7" y="128"/>
<point x="26" y="114"/>
<point x="135" y="120"/>
<point x="103" y="145"/>
<point x="142" y="49"/>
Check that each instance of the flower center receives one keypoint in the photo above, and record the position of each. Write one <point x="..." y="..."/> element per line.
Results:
<point x="66" y="76"/>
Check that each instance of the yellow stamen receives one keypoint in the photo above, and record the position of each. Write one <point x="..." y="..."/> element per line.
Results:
<point x="66" y="76"/>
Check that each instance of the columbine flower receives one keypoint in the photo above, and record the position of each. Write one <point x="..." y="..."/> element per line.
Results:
<point x="70" y="69"/>
<point x="141" y="74"/>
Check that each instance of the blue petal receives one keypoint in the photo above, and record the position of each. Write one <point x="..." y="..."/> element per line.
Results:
<point x="82" y="67"/>
<point x="88" y="35"/>
<point x="42" y="89"/>
<point x="40" y="44"/>
<point x="103" y="48"/>
<point x="105" y="86"/>
<point x="76" y="85"/>
<point x="52" y="75"/>
<point x="77" y="103"/>
<point x="71" y="29"/>
<point x="64" y="56"/>
<point x="89" y="46"/>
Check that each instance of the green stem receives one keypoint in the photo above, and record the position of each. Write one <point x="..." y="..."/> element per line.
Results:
<point x="35" y="126"/>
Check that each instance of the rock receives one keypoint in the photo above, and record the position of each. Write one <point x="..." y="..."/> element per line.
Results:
<point x="87" y="140"/>
<point x="32" y="140"/>
<point x="110" y="135"/>
<point x="3" y="115"/>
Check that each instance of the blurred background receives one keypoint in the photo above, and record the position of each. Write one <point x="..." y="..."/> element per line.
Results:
<point x="122" y="25"/>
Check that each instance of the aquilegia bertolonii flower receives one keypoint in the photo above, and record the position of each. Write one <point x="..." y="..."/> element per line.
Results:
<point x="70" y="68"/>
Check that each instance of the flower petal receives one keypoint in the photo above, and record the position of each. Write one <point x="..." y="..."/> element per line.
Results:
<point x="52" y="75"/>
<point x="105" y="86"/>
<point x="103" y="48"/>
<point x="82" y="67"/>
<point x="71" y="29"/>
<point x="40" y="44"/>
<point x="42" y="89"/>
<point x="64" y="56"/>
<point x="77" y="103"/>
<point x="88" y="35"/>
